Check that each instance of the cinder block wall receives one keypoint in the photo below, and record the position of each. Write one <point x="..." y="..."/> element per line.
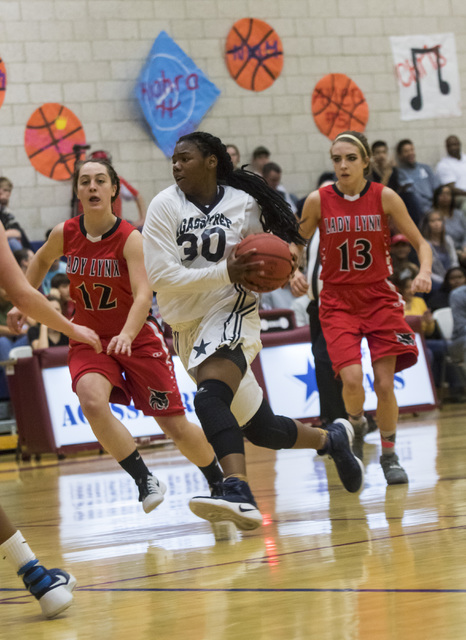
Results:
<point x="87" y="54"/>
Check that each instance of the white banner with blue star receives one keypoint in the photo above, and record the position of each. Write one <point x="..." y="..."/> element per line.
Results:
<point x="173" y="92"/>
<point x="290" y="380"/>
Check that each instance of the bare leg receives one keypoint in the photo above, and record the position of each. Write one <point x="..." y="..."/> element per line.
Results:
<point x="188" y="437"/>
<point x="7" y="529"/>
<point x="93" y="391"/>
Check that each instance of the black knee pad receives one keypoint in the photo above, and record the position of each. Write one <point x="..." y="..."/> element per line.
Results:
<point x="212" y="405"/>
<point x="235" y="355"/>
<point x="265" y="429"/>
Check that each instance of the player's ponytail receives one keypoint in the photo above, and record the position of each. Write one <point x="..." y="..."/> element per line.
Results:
<point x="276" y="214"/>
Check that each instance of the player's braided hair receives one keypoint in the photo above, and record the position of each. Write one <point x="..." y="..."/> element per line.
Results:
<point x="114" y="179"/>
<point x="276" y="214"/>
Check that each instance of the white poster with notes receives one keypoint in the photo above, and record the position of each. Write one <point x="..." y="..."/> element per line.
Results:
<point x="426" y="69"/>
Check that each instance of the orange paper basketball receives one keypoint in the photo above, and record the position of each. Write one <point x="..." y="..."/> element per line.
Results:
<point x="276" y="256"/>
<point x="51" y="132"/>
<point x="254" y="54"/>
<point x="338" y="104"/>
<point x="2" y="81"/>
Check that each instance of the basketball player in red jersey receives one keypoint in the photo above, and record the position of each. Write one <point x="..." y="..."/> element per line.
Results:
<point x="109" y="285"/>
<point x="357" y="299"/>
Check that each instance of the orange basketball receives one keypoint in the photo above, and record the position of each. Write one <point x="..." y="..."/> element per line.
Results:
<point x="2" y="81"/>
<point x="51" y="132"/>
<point x="338" y="104"/>
<point x="276" y="256"/>
<point x="254" y="54"/>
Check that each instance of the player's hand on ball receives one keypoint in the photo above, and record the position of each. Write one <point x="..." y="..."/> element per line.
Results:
<point x="240" y="267"/>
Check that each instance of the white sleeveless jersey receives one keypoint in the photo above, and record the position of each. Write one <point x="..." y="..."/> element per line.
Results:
<point x="185" y="251"/>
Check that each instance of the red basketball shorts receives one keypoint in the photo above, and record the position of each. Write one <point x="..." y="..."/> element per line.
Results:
<point x="147" y="376"/>
<point x="374" y="311"/>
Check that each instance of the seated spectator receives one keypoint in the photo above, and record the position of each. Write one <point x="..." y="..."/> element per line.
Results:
<point x="60" y="288"/>
<point x="403" y="266"/>
<point x="451" y="169"/>
<point x="455" y="224"/>
<point x="325" y="178"/>
<point x="23" y="258"/>
<point x="272" y="174"/>
<point x="234" y="154"/>
<point x="8" y="340"/>
<point x="458" y="308"/>
<point x="127" y="192"/>
<point x="415" y="177"/>
<point x="443" y="249"/>
<point x="436" y="347"/>
<point x="42" y="337"/>
<point x="454" y="277"/>
<point x="382" y="170"/>
<point x="58" y="266"/>
<point x="17" y="238"/>
<point x="260" y="157"/>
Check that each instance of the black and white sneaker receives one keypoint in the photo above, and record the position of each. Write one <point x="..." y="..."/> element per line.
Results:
<point x="235" y="504"/>
<point x="151" y="492"/>
<point x="350" y="468"/>
<point x="51" y="587"/>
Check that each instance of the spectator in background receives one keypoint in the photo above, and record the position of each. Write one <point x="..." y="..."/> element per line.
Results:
<point x="127" y="192"/>
<point x="41" y="337"/>
<point x="451" y="169"/>
<point x="443" y="249"/>
<point x="8" y="340"/>
<point x="58" y="266"/>
<point x="417" y="178"/>
<point x="23" y="258"/>
<point x="260" y="157"/>
<point x="458" y="342"/>
<point x="272" y="174"/>
<point x="60" y="288"/>
<point x="235" y="155"/>
<point x="453" y="219"/>
<point x="382" y="170"/>
<point x="403" y="266"/>
<point x="17" y="238"/>
<point x="454" y="277"/>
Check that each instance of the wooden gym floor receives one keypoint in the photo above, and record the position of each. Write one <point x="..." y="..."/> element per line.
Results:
<point x="385" y="564"/>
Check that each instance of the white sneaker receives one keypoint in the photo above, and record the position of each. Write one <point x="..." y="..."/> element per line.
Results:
<point x="51" y="587"/>
<point x="151" y="493"/>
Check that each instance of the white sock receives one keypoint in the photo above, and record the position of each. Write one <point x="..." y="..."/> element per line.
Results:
<point x="17" y="551"/>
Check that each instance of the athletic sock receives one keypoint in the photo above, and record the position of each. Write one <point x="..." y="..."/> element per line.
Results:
<point x="212" y="472"/>
<point x="17" y="551"/>
<point x="388" y="442"/>
<point x="135" y="466"/>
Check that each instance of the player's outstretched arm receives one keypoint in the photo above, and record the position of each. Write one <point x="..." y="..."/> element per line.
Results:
<point x="33" y="303"/>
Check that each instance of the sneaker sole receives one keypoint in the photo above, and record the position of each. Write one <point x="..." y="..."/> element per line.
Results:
<point x="350" y="433"/>
<point x="215" y="511"/>
<point x="150" y="505"/>
<point x="59" y="599"/>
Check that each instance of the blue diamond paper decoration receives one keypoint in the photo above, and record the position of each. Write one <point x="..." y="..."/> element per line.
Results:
<point x="173" y="92"/>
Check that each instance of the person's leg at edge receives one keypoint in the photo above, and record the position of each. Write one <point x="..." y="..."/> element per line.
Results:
<point x="52" y="588"/>
<point x="354" y="397"/>
<point x="192" y="443"/>
<point x="93" y="390"/>
<point x="387" y="417"/>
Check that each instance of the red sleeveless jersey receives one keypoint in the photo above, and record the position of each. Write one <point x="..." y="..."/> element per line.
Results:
<point x="98" y="273"/>
<point x="354" y="236"/>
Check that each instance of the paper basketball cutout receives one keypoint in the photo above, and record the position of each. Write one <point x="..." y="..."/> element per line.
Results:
<point x="2" y="81"/>
<point x="338" y="104"/>
<point x="51" y="133"/>
<point x="254" y="54"/>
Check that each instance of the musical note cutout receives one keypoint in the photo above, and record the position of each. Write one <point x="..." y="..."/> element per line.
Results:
<point x="416" y="102"/>
<point x="427" y="75"/>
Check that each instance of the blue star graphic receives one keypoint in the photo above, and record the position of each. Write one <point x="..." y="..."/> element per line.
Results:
<point x="309" y="379"/>
<point x="201" y="349"/>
